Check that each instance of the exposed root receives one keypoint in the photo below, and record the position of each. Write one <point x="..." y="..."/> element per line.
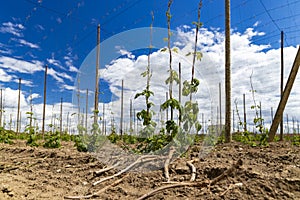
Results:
<point x="193" y="169"/>
<point x="195" y="184"/>
<point x="96" y="194"/>
<point x="140" y="159"/>
<point x="106" y="169"/>
<point x="167" y="162"/>
<point x="174" y="185"/>
<point x="232" y="186"/>
<point x="227" y="172"/>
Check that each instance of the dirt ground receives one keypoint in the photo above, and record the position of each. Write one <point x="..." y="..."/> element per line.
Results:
<point x="37" y="173"/>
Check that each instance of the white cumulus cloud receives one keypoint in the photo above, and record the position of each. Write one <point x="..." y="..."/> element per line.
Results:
<point x="17" y="65"/>
<point x="12" y="28"/>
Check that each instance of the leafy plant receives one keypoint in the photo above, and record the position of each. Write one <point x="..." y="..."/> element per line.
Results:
<point x="145" y="115"/>
<point x="192" y="87"/>
<point x="258" y="121"/>
<point x="296" y="140"/>
<point x="5" y="136"/>
<point x="245" y="138"/>
<point x="64" y="136"/>
<point x="79" y="144"/>
<point x="94" y="141"/>
<point x="190" y="111"/>
<point x="32" y="136"/>
<point x="52" y="140"/>
<point x="173" y="76"/>
<point x="155" y="142"/>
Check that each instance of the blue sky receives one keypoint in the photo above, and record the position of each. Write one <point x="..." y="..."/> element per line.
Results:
<point x="63" y="33"/>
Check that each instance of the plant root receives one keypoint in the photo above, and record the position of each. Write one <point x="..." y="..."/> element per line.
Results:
<point x="227" y="172"/>
<point x="167" y="163"/>
<point x="201" y="184"/>
<point x="231" y="186"/>
<point x="96" y="194"/>
<point x="193" y="169"/>
<point x="142" y="159"/>
<point x="106" y="169"/>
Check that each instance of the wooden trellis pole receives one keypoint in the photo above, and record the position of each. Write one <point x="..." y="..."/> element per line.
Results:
<point x="96" y="111"/>
<point x="44" y="106"/>
<point x="122" y="108"/>
<point x="61" y="116"/>
<point x="86" y="109"/>
<point x="1" y="107"/>
<point x="18" y="112"/>
<point x="227" y="73"/>
<point x="281" y="85"/>
<point x="285" y="96"/>
<point x="245" y="114"/>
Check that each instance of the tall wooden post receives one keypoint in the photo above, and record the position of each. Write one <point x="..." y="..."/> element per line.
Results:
<point x="130" y="117"/>
<point x="203" y="123"/>
<point x="68" y="123"/>
<point x="86" y="109"/>
<point x="281" y="85"/>
<point x="272" y="115"/>
<point x="227" y="73"/>
<point x="122" y="101"/>
<point x="31" y="112"/>
<point x="179" y="88"/>
<point x="134" y="124"/>
<point x="1" y="107"/>
<point x="220" y="106"/>
<point x="287" y="124"/>
<point x="233" y="122"/>
<point x="10" y="121"/>
<point x="96" y="110"/>
<point x="285" y="96"/>
<point x="218" y="122"/>
<point x="20" y="121"/>
<point x="294" y="130"/>
<point x="103" y="118"/>
<point x="44" y="106"/>
<point x="61" y="116"/>
<point x="245" y="114"/>
<point x="18" y="112"/>
<point x="78" y="101"/>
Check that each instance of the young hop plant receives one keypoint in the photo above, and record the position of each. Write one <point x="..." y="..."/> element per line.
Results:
<point x="190" y="110"/>
<point x="31" y="130"/>
<point x="258" y="121"/>
<point x="145" y="115"/>
<point x="173" y="103"/>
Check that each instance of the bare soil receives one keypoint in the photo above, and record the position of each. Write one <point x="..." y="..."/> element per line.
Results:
<point x="271" y="172"/>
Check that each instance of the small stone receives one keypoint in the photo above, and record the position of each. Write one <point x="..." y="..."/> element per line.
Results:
<point x="238" y="184"/>
<point x="58" y="171"/>
<point x="11" y="194"/>
<point x="84" y="183"/>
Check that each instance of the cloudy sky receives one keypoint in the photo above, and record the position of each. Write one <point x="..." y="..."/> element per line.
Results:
<point x="62" y="35"/>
